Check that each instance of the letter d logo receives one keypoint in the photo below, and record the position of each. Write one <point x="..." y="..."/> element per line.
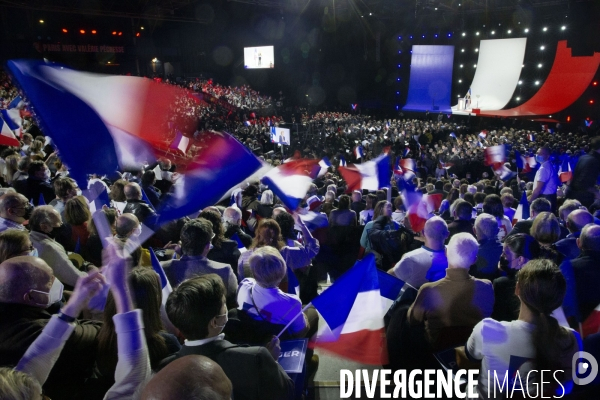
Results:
<point x="583" y="363"/>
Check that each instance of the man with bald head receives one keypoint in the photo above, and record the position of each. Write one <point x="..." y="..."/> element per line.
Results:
<point x="28" y="288"/>
<point x="46" y="224"/>
<point x="429" y="263"/>
<point x="192" y="377"/>
<point x="136" y="206"/>
<point x="575" y="222"/>
<point x="14" y="210"/>
<point x="583" y="275"/>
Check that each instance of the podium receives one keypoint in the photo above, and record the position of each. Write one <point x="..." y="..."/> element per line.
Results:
<point x="461" y="103"/>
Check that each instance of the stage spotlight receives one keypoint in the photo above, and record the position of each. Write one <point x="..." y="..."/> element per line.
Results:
<point x="476" y="50"/>
<point x="370" y="13"/>
<point x="595" y="83"/>
<point x="399" y="65"/>
<point x="41" y="21"/>
<point x="474" y="65"/>
<point x="436" y="9"/>
<point x="399" y="37"/>
<point x="518" y="98"/>
<point x="398" y="79"/>
<point x="569" y="118"/>
<point x="137" y="34"/>
<point x="537" y="83"/>
<point x="463" y="50"/>
<point x="461" y="65"/>
<point x="539" y="65"/>
<point x="509" y="31"/>
<point x="114" y="33"/>
<point x="64" y="30"/>
<point x="94" y="32"/>
<point x="464" y="34"/>
<point x="520" y="82"/>
<point x="120" y="33"/>
<point x="449" y="35"/>
<point x="397" y="92"/>
<point x="436" y="35"/>
<point x="526" y="30"/>
<point x="460" y="81"/>
<point x="399" y="51"/>
<point x="562" y="28"/>
<point x="542" y="47"/>
<point x="410" y="36"/>
<point x="545" y="29"/>
<point x="591" y="101"/>
<point x="81" y="31"/>
<point x="423" y="36"/>
<point x="141" y="27"/>
<point x="493" y="32"/>
<point x="476" y="33"/>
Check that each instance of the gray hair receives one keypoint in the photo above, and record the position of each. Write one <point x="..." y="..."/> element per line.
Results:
<point x="462" y="250"/>
<point x="268" y="266"/>
<point x="486" y="226"/>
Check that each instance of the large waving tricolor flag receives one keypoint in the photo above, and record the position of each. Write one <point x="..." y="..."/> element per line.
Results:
<point x="221" y="163"/>
<point x="112" y="120"/>
<point x="352" y="311"/>
<point x="522" y="209"/>
<point x="324" y="165"/>
<point x="290" y="181"/>
<point x="7" y="136"/>
<point x="525" y="164"/>
<point x="502" y="172"/>
<point x="371" y="175"/>
<point x="495" y="154"/>
<point x="181" y="143"/>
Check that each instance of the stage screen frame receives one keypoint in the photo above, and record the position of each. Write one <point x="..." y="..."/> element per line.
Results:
<point x="260" y="57"/>
<point x="276" y="132"/>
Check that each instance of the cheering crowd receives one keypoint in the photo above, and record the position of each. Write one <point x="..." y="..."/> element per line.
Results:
<point x="99" y="300"/>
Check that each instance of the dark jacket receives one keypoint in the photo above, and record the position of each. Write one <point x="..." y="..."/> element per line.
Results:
<point x="20" y="325"/>
<point x="236" y="230"/>
<point x="583" y="280"/>
<point x="458" y="226"/>
<point x="252" y="371"/>
<point x="488" y="255"/>
<point x="33" y="188"/>
<point x="506" y="302"/>
<point x="153" y="195"/>
<point x="568" y="246"/>
<point x="228" y="253"/>
<point x="142" y="211"/>
<point x="521" y="227"/>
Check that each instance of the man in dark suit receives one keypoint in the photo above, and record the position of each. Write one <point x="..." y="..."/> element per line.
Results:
<point x="197" y="308"/>
<point x="583" y="275"/>
<point x="575" y="223"/>
<point x="196" y="238"/>
<point x="537" y="206"/>
<point x="138" y="207"/>
<point x="463" y="211"/>
<point x="37" y="186"/>
<point x="490" y="249"/>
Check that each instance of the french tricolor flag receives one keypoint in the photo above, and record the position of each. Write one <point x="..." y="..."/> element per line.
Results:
<point x="495" y="154"/>
<point x="164" y="281"/>
<point x="531" y="137"/>
<point x="525" y="164"/>
<point x="247" y="123"/>
<point x="181" y="143"/>
<point x="17" y="102"/>
<point x="503" y="172"/>
<point x="123" y="117"/>
<point x="371" y="175"/>
<point x="352" y="311"/>
<point x="522" y="212"/>
<point x="564" y="172"/>
<point x="407" y="164"/>
<point x="7" y="136"/>
<point x="221" y="163"/>
<point x="324" y="165"/>
<point x="406" y="151"/>
<point x="291" y="181"/>
<point x="453" y="135"/>
<point x="483" y="134"/>
<point x="358" y="152"/>
<point x="12" y="118"/>
<point x="342" y="162"/>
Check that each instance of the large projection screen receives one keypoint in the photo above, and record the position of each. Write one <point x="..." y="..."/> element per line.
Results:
<point x="280" y="136"/>
<point x="259" y="57"/>
<point x="497" y="75"/>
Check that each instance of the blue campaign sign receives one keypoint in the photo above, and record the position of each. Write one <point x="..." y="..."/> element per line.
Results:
<point x="292" y="355"/>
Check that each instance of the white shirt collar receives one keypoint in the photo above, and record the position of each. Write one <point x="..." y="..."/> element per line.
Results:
<point x="200" y="342"/>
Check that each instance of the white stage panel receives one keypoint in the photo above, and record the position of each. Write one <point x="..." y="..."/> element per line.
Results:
<point x="497" y="75"/>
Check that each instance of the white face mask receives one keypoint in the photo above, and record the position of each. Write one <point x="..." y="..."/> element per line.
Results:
<point x="55" y="293"/>
<point x="226" y="319"/>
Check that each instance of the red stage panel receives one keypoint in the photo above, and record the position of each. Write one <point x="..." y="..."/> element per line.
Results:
<point x="569" y="78"/>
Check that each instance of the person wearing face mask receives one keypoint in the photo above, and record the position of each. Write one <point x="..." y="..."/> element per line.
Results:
<point x="546" y="179"/>
<point x="27" y="288"/>
<point x="14" y="210"/>
<point x="517" y="251"/>
<point x="46" y="224"/>
<point x="197" y="308"/>
<point x="15" y="243"/>
<point x="65" y="189"/>
<point x="37" y="186"/>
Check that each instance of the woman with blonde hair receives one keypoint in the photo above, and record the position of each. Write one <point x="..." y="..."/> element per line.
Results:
<point x="546" y="230"/>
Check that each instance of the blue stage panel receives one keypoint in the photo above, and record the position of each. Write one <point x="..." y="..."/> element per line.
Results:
<point x="430" y="83"/>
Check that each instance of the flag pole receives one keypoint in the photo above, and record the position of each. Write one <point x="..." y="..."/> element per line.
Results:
<point x="293" y="319"/>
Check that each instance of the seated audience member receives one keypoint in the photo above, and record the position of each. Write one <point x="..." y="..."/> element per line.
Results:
<point x="268" y="233"/>
<point x="546" y="230"/>
<point x="343" y="215"/>
<point x="517" y="251"/>
<point x="45" y="223"/>
<point x="27" y="288"/>
<point x="357" y="204"/>
<point x="232" y="222"/>
<point x="37" y="186"/>
<point x="568" y="206"/>
<point x="444" y="210"/>
<point x="457" y="300"/>
<point x="583" y="275"/>
<point x="152" y="193"/>
<point x="261" y="298"/>
<point x="14" y="210"/>
<point x="146" y="294"/>
<point x="13" y="243"/>
<point x="328" y="205"/>
<point x="576" y="220"/>
<point x="92" y="252"/>
<point x="65" y="189"/>
<point x="490" y="249"/>
<point x="382" y="208"/>
<point x="196" y="237"/>
<point x="138" y="207"/>
<point x="197" y="309"/>
<point x="118" y="200"/>
<point x="537" y="206"/>
<point x="76" y="215"/>
<point x="535" y="340"/>
<point x="463" y="222"/>
<point x="265" y="208"/>
<point x="366" y="214"/>
<point x="223" y="250"/>
<point x="429" y="263"/>
<point x="21" y="172"/>
<point x="399" y="212"/>
<point x="493" y="205"/>
<point x="192" y="377"/>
